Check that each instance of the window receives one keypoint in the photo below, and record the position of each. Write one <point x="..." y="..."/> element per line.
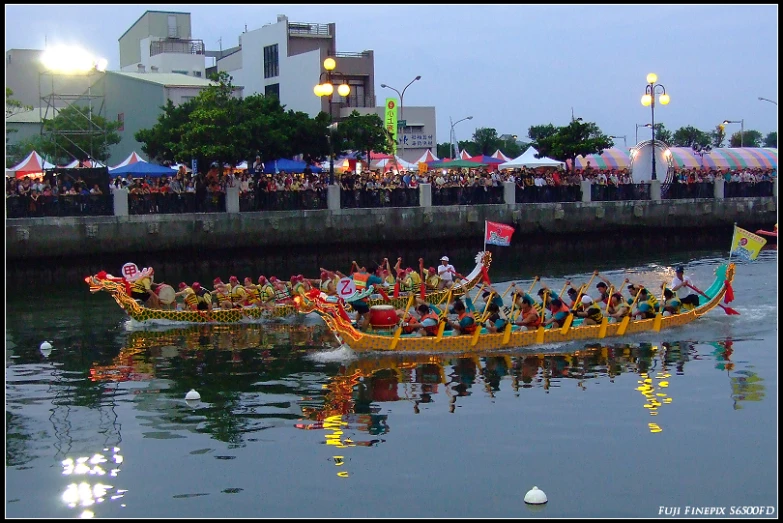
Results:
<point x="121" y="121"/>
<point x="180" y="72"/>
<point x="197" y="74"/>
<point x="172" y="26"/>
<point x="356" y="97"/>
<point x="271" y="63"/>
<point x="272" y="90"/>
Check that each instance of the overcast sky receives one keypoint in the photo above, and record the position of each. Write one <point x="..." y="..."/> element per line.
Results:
<point x="508" y="66"/>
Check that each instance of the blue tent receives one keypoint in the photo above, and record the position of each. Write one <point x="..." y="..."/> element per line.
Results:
<point x="142" y="169"/>
<point x="289" y="166"/>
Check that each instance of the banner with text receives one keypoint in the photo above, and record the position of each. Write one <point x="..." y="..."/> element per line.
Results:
<point x="746" y="245"/>
<point x="497" y="234"/>
<point x="390" y="121"/>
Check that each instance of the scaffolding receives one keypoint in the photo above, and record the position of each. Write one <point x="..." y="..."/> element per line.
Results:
<point x="86" y="93"/>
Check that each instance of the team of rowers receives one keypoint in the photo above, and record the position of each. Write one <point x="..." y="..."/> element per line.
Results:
<point x="527" y="313"/>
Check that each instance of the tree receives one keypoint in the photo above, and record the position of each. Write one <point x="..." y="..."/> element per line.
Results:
<point x="443" y="150"/>
<point x="158" y="143"/>
<point x="13" y="106"/>
<point x="76" y="133"/>
<point x="19" y="151"/>
<point x="717" y="136"/>
<point x="751" y="138"/>
<point x="537" y="132"/>
<point x="576" y="139"/>
<point x="363" y="133"/>
<point x="663" y="134"/>
<point x="688" y="136"/>
<point x="511" y="148"/>
<point x="486" y="139"/>
<point x="771" y="140"/>
<point x="469" y="147"/>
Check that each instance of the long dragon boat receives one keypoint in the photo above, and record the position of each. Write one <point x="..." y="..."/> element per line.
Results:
<point x="391" y="339"/>
<point x="118" y="289"/>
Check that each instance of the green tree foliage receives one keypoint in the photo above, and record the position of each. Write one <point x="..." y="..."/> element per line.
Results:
<point x="13" y="106"/>
<point x="538" y="132"/>
<point x="511" y="148"/>
<point x="486" y="140"/>
<point x="751" y="138"/>
<point x="17" y="152"/>
<point x="663" y="134"/>
<point x="472" y="148"/>
<point x="76" y="134"/>
<point x="717" y="136"/>
<point x="158" y="143"/>
<point x="443" y="150"/>
<point x="578" y="138"/>
<point x="688" y="136"/>
<point x="363" y="133"/>
<point x="771" y="140"/>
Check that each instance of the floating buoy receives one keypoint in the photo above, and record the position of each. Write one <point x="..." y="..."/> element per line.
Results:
<point x="46" y="348"/>
<point x="192" y="398"/>
<point x="535" y="496"/>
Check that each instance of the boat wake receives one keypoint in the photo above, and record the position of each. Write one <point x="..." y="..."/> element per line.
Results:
<point x="341" y="354"/>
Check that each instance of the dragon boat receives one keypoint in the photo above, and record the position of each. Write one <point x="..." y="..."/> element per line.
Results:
<point x="118" y="288"/>
<point x="391" y="339"/>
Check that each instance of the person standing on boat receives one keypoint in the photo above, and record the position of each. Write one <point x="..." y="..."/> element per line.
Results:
<point x="680" y="281"/>
<point x="447" y="272"/>
<point x="466" y="323"/>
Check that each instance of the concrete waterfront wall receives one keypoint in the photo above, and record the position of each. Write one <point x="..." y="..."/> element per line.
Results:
<point x="33" y="238"/>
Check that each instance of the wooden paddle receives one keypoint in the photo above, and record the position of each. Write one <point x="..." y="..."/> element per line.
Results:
<point x="443" y="313"/>
<point x="540" y="330"/>
<point x="398" y="332"/>
<point x="469" y="301"/>
<point x="570" y="318"/>
<point x="658" y="321"/>
<point x="728" y="310"/>
<point x="509" y="324"/>
<point x="627" y="319"/>
<point x="605" y="319"/>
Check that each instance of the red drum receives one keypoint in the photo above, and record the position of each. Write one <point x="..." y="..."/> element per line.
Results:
<point x="383" y="316"/>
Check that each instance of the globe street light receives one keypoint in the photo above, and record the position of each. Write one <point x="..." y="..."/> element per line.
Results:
<point x="761" y="98"/>
<point x="742" y="128"/>
<point x="453" y="137"/>
<point x="325" y="87"/>
<point x="649" y="99"/>
<point x="637" y="129"/>
<point x="402" y="114"/>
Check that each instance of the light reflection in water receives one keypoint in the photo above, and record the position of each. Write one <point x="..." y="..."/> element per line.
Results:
<point x="82" y="494"/>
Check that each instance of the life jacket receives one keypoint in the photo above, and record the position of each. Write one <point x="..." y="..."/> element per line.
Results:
<point x="433" y="329"/>
<point x="470" y="329"/>
<point x="675" y="304"/>
<point x="594" y="313"/>
<point x="222" y="293"/>
<point x="282" y="294"/>
<point x="204" y="296"/>
<point x="238" y="294"/>
<point x="190" y="297"/>
<point x="433" y="281"/>
<point x="139" y="285"/>
<point x="536" y="323"/>
<point x="360" y="280"/>
<point x="298" y="288"/>
<point x="253" y="295"/>
<point x="266" y="292"/>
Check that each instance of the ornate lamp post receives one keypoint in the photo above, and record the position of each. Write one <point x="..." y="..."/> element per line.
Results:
<point x="649" y="99"/>
<point x="402" y="114"/>
<point x="325" y="87"/>
<point x="453" y="137"/>
<point x="742" y="129"/>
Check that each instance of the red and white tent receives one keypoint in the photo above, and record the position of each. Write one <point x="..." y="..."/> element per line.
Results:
<point x="393" y="163"/>
<point x="464" y="155"/>
<point x="132" y="158"/>
<point x="33" y="165"/>
<point x="86" y="163"/>
<point x="427" y="157"/>
<point x="500" y="156"/>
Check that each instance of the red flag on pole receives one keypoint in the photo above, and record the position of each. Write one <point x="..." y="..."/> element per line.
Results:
<point x="497" y="234"/>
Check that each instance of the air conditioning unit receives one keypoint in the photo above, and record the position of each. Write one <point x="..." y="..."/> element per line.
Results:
<point x="154" y="68"/>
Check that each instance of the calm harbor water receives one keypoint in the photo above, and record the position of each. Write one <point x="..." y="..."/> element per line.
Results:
<point x="291" y="425"/>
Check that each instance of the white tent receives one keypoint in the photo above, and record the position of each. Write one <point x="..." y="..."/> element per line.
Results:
<point x="500" y="156"/>
<point x="132" y="158"/>
<point x="528" y="159"/>
<point x="464" y="155"/>
<point x="395" y="163"/>
<point x="427" y="157"/>
<point x="86" y="163"/>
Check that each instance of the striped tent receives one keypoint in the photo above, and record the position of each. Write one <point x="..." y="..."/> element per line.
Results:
<point x="132" y="158"/>
<point x="613" y="158"/>
<point x="464" y="155"/>
<point x="500" y="156"/>
<point x="86" y="163"/>
<point x="726" y="158"/>
<point x="426" y="157"/>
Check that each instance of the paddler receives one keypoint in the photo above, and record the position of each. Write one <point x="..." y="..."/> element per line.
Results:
<point x="362" y="280"/>
<point x="618" y="307"/>
<point x="589" y="310"/>
<point x="672" y="304"/>
<point x="466" y="323"/>
<point x="253" y="297"/>
<point x="282" y="292"/>
<point x="141" y="289"/>
<point x="560" y="312"/>
<point x="237" y="291"/>
<point x="432" y="279"/>
<point x="188" y="296"/>
<point x="266" y="292"/>
<point x="528" y="319"/>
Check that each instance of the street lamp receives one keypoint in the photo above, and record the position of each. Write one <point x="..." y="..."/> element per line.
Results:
<point x="402" y="114"/>
<point x="649" y="99"/>
<point x="637" y="129"/>
<point x="453" y="137"/>
<point x="761" y="98"/>
<point x="325" y="87"/>
<point x="742" y="128"/>
<point x="625" y="140"/>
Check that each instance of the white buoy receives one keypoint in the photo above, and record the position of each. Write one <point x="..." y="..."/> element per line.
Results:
<point x="192" y="398"/>
<point x="46" y="348"/>
<point x="535" y="496"/>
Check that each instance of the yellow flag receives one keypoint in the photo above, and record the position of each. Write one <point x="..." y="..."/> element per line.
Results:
<point x="746" y="245"/>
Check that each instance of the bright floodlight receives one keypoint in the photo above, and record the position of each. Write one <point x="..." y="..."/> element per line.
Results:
<point x="664" y="99"/>
<point x="71" y="60"/>
<point x="329" y="64"/>
<point x="344" y="90"/>
<point x="652" y="78"/>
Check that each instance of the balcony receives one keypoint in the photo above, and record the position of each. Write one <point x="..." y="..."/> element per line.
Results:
<point x="306" y="29"/>
<point x="176" y="45"/>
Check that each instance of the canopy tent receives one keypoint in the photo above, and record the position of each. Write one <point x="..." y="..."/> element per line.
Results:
<point x="33" y="165"/>
<point x="426" y="157"/>
<point x="142" y="168"/>
<point x="176" y="167"/>
<point x="242" y="166"/>
<point x="463" y="154"/>
<point x="289" y="166"/>
<point x="442" y="160"/>
<point x="132" y="158"/>
<point x="393" y="163"/>
<point x="489" y="160"/>
<point x="500" y="156"/>
<point x="455" y="164"/>
<point x="528" y="159"/>
<point x="725" y="158"/>
<point x="612" y="158"/>
<point x="87" y="163"/>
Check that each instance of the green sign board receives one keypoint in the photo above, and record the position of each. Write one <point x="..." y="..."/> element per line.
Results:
<point x="402" y="123"/>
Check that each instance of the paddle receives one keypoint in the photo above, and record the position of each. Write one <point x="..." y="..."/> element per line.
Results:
<point x="509" y="324"/>
<point x="469" y="301"/>
<point x="728" y="310"/>
<point x="627" y="318"/>
<point x="570" y="318"/>
<point x="441" y="316"/>
<point x="398" y="332"/>
<point x="423" y="279"/>
<point x="533" y="284"/>
<point x="540" y="330"/>
<point x="605" y="319"/>
<point x="659" y="315"/>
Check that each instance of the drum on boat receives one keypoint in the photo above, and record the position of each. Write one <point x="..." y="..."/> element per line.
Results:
<point x="383" y="316"/>
<point x="166" y="294"/>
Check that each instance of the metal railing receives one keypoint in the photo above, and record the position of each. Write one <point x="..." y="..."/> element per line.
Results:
<point x="299" y="28"/>
<point x="177" y="46"/>
<point x="363" y="54"/>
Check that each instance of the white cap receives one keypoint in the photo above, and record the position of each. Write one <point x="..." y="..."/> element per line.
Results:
<point x="587" y="300"/>
<point x="445" y="258"/>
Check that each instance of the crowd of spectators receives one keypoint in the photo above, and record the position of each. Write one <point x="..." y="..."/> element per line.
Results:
<point x="205" y="192"/>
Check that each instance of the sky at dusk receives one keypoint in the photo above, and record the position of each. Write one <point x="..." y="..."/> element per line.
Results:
<point x="508" y="66"/>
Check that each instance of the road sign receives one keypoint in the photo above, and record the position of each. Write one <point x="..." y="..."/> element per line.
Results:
<point x="402" y="123"/>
